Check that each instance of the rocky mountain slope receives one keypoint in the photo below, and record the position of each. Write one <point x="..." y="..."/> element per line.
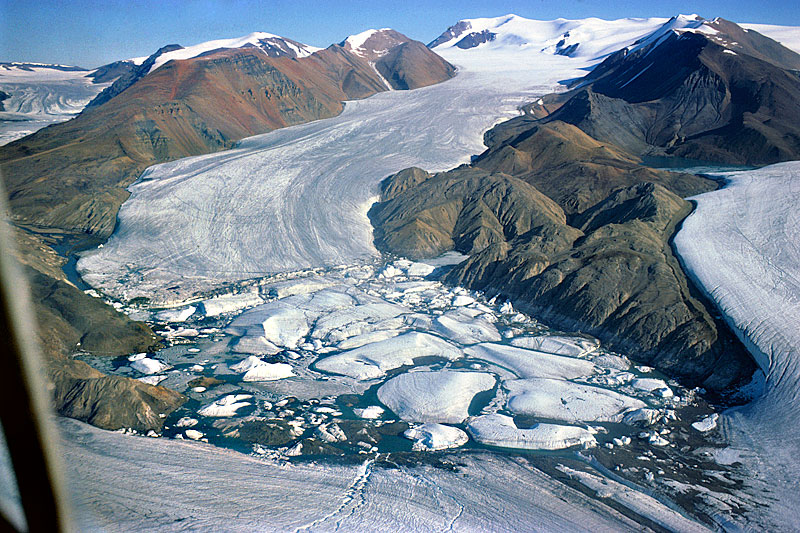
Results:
<point x="575" y="232"/>
<point x="188" y="107"/>
<point x="712" y="92"/>
<point x="71" y="178"/>
<point x="70" y="321"/>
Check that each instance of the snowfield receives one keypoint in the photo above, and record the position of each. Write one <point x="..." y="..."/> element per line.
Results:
<point x="41" y="96"/>
<point x="742" y="246"/>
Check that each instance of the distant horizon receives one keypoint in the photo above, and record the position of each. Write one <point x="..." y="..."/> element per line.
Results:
<point x="91" y="33"/>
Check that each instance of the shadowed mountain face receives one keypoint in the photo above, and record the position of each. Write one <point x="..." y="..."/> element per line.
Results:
<point x="729" y="97"/>
<point x="70" y="320"/>
<point x="565" y="227"/>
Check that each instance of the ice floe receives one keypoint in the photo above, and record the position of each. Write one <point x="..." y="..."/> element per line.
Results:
<point x="443" y="396"/>
<point x="369" y="412"/>
<point x="531" y="363"/>
<point x="706" y="424"/>
<point x="464" y="329"/>
<point x="653" y="385"/>
<point x="226" y="406"/>
<point x="268" y="372"/>
<point x="567" y="401"/>
<point x="374" y="360"/>
<point x="557" y="344"/>
<point x="500" y="430"/>
<point x="175" y="315"/>
<point x="648" y="416"/>
<point x="193" y="434"/>
<point x="146" y="365"/>
<point x="186" y="422"/>
<point x="432" y="437"/>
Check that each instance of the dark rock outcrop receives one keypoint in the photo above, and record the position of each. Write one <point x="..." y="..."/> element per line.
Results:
<point x="607" y="269"/>
<point x="475" y="38"/>
<point x="109" y="402"/>
<point x="555" y="156"/>
<point x="467" y="210"/>
<point x="112" y="72"/>
<point x="451" y="33"/>
<point x="126" y="77"/>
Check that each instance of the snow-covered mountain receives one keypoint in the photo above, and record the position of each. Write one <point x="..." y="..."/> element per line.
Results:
<point x="491" y="43"/>
<point x="373" y="43"/>
<point x="522" y="38"/>
<point x="271" y="45"/>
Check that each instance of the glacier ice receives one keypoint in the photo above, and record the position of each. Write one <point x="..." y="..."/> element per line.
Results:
<point x="443" y="396"/>
<point x="201" y="221"/>
<point x="742" y="247"/>
<point x="500" y="430"/>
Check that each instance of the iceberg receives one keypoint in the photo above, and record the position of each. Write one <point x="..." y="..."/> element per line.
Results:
<point x="530" y="363"/>
<point x="146" y="365"/>
<point x="463" y="329"/>
<point x="374" y="360"/>
<point x="558" y="345"/>
<point x="432" y="437"/>
<point x="443" y="396"/>
<point x="500" y="430"/>
<point x="567" y="401"/>
<point x="225" y="406"/>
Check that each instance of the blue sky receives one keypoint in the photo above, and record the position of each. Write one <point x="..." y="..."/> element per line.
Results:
<point x="94" y="32"/>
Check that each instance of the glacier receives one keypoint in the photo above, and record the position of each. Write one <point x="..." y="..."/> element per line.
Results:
<point x="296" y="200"/>
<point x="117" y="484"/>
<point x="297" y="197"/>
<point x="741" y="245"/>
<point x="41" y="95"/>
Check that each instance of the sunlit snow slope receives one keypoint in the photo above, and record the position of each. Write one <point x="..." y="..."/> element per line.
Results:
<point x="297" y="197"/>
<point x="742" y="245"/>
